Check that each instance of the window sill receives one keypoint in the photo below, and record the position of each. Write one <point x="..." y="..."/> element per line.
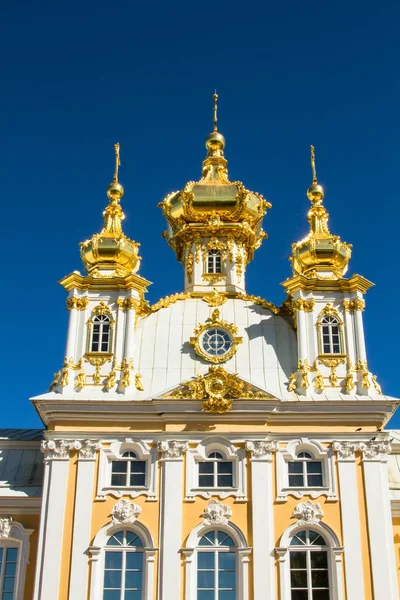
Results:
<point x="120" y="491"/>
<point x="300" y="492"/>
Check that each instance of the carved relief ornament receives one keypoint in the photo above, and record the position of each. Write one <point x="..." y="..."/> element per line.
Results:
<point x="261" y="449"/>
<point x="375" y="450"/>
<point x="172" y="448"/>
<point x="87" y="449"/>
<point x="308" y="513"/>
<point x="125" y="511"/>
<point x="5" y="527"/>
<point x="55" y="449"/>
<point x="345" y="450"/>
<point x="217" y="513"/>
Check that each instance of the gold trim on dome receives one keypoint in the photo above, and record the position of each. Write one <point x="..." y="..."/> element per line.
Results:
<point x="356" y="283"/>
<point x="217" y="389"/>
<point x="165" y="302"/>
<point x="215" y="298"/>
<point x="215" y="321"/>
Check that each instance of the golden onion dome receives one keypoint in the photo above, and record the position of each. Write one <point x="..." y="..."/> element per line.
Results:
<point x="110" y="253"/>
<point x="320" y="254"/>
<point x="214" y="200"/>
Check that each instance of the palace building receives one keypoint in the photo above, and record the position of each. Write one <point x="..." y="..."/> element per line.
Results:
<point x="211" y="446"/>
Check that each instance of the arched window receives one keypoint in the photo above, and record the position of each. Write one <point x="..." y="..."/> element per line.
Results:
<point x="128" y="472"/>
<point x="123" y="567"/>
<point x="309" y="566"/>
<point x="330" y="331"/>
<point x="305" y="471"/>
<point x="216" y="472"/>
<point x="8" y="572"/>
<point x="101" y="334"/>
<point x="216" y="567"/>
<point x="214" y="262"/>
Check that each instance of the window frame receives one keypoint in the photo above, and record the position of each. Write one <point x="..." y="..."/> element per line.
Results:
<point x="304" y="461"/>
<point x="124" y="549"/>
<point x="200" y="453"/>
<point x="114" y="452"/>
<point x="213" y="255"/>
<point x="97" y="558"/>
<point x="330" y="312"/>
<point x="215" y="461"/>
<point x="19" y="538"/>
<point x="335" y="555"/>
<point x="102" y="310"/>
<point x="319" y="453"/>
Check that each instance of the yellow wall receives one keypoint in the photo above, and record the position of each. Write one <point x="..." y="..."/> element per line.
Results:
<point x="396" y="536"/>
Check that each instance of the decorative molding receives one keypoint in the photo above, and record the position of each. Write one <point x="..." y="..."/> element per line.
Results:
<point x="55" y="449"/>
<point x="129" y="304"/>
<point x="87" y="449"/>
<point x="375" y="450"/>
<point x="353" y="305"/>
<point x="345" y="450"/>
<point x="210" y="323"/>
<point x="5" y="527"/>
<point x="77" y="303"/>
<point x="217" y="513"/>
<point x="125" y="511"/>
<point x="215" y="298"/>
<point x="308" y="513"/>
<point x="261" y="449"/>
<point x="172" y="448"/>
<point x="305" y="305"/>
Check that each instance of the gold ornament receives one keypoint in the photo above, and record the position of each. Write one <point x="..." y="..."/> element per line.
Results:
<point x="376" y="384"/>
<point x="349" y="382"/>
<point x="215" y="298"/>
<point x="81" y="380"/>
<point x="77" y="303"/>
<point x="64" y="377"/>
<point x="292" y="382"/>
<point x="138" y="382"/>
<point x="215" y="321"/>
<point x="126" y="368"/>
<point x="319" y="381"/>
<point x="110" y="383"/>
<point x="53" y="384"/>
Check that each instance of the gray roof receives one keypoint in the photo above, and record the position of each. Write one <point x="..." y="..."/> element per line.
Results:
<point x="21" y="469"/>
<point x="27" y="435"/>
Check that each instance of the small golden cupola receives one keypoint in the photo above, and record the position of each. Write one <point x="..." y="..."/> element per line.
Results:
<point x="320" y="255"/>
<point x="110" y="253"/>
<point x="214" y="224"/>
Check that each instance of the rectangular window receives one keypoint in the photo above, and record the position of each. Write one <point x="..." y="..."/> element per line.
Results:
<point x="206" y="474"/>
<point x="8" y="569"/>
<point x="296" y="478"/>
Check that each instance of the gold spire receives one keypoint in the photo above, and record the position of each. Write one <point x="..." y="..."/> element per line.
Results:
<point x="215" y="110"/>
<point x="110" y="252"/>
<point x="320" y="254"/>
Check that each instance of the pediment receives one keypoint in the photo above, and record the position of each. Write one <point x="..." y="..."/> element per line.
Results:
<point x="217" y="389"/>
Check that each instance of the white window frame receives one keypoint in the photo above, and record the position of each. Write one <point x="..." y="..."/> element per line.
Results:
<point x="329" y="326"/>
<point x="242" y="558"/>
<point x="214" y="254"/>
<point x="200" y="454"/>
<point x="335" y="555"/>
<point x="319" y="453"/>
<point x="97" y="558"/>
<point x="115" y="452"/>
<point x="19" y="538"/>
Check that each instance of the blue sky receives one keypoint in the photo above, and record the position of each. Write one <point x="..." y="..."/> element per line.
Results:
<point x="76" y="77"/>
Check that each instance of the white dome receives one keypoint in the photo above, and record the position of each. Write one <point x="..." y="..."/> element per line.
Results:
<point x="166" y="358"/>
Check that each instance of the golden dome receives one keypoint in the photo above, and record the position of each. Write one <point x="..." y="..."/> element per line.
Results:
<point x="110" y="253"/>
<point x="320" y="254"/>
<point x="214" y="203"/>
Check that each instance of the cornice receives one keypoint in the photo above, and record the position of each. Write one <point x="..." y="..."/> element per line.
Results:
<point x="82" y="282"/>
<point x="356" y="283"/>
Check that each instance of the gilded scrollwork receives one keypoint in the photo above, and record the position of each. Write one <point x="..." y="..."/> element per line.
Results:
<point x="215" y="298"/>
<point x="215" y="321"/>
<point x="75" y="302"/>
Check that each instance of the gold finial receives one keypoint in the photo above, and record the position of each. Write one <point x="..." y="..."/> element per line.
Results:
<point x="315" y="192"/>
<point x="215" y="110"/>
<point x="314" y="172"/>
<point x="117" y="162"/>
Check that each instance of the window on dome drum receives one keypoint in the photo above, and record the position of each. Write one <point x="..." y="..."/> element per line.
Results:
<point x="123" y="567"/>
<point x="330" y="330"/>
<point x="8" y="570"/>
<point x="100" y="340"/>
<point x="305" y="471"/>
<point x="216" y="341"/>
<point x="214" y="262"/>
<point x="128" y="472"/>
<point x="309" y="570"/>
<point x="216" y="567"/>
<point x="216" y="472"/>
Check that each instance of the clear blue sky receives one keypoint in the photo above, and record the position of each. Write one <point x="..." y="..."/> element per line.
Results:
<point x="76" y="77"/>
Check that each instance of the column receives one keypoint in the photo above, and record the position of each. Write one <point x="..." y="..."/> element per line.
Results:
<point x="52" y="520"/>
<point x="263" y="518"/>
<point x="82" y="519"/>
<point x="129" y="328"/>
<point x="349" y="332"/>
<point x="383" y="563"/>
<point x="301" y="332"/>
<point x="350" y="519"/>
<point x="72" y="328"/>
<point x="171" y="518"/>
<point x="358" y="307"/>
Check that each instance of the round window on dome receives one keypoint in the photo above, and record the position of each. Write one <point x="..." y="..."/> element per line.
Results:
<point x="216" y="342"/>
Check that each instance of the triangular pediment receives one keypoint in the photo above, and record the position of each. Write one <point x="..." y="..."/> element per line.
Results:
<point x="217" y="389"/>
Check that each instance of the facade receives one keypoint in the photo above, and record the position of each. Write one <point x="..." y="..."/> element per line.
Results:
<point x="212" y="446"/>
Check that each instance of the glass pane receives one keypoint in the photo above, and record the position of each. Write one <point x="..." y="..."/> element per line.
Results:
<point x="227" y="561"/>
<point x="298" y="579"/>
<point x="319" y="560"/>
<point x="8" y="596"/>
<point x="113" y="560"/>
<point x="207" y="540"/>
<point x="299" y="595"/>
<point x="206" y="480"/>
<point x="215" y="455"/>
<point x="132" y="539"/>
<point x="314" y="467"/>
<point x="316" y="539"/>
<point x="119" y="466"/>
<point x="11" y="555"/>
<point x="227" y="580"/>
<point x="314" y="481"/>
<point x="299" y="539"/>
<point x="320" y="595"/>
<point x="205" y="595"/>
<point x="134" y="560"/>
<point x="295" y="467"/>
<point x="304" y="455"/>
<point x="296" y="481"/>
<point x="133" y="580"/>
<point x="138" y="466"/>
<point x="8" y="583"/>
<point x="298" y="560"/>
<point x="224" y="467"/>
<point x="320" y="579"/>
<point x="227" y="595"/>
<point x="223" y="539"/>
<point x="224" y="481"/>
<point x="138" y="479"/>
<point x="205" y="579"/>
<point x="205" y="560"/>
<point x="118" y="480"/>
<point x="133" y="595"/>
<point x="117" y="539"/>
<point x="112" y="579"/>
<point x="112" y="595"/>
<point x="10" y="569"/>
<point x="1" y="554"/>
<point x="206" y="467"/>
